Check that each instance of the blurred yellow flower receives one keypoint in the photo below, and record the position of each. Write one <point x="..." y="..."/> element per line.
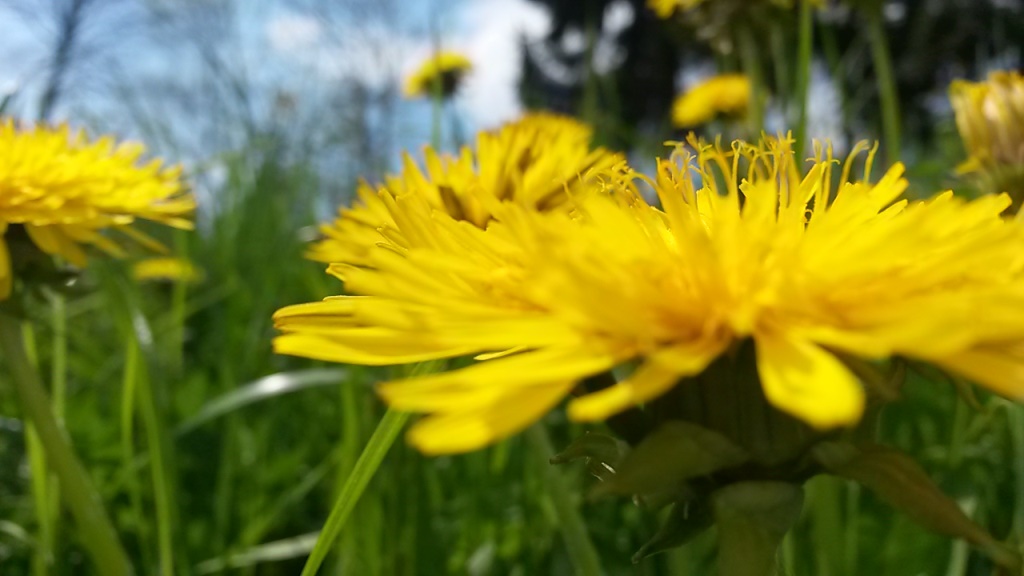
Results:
<point x="743" y="247"/>
<point x="444" y="69"/>
<point x="66" y="191"/>
<point x="173" y="269"/>
<point x="990" y="117"/>
<point x="726" y="94"/>
<point x="665" y="8"/>
<point x="538" y="161"/>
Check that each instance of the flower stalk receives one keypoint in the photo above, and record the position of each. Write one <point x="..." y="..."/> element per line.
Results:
<point x="753" y="518"/>
<point x="753" y="69"/>
<point x="577" y="541"/>
<point x="803" y="72"/>
<point x="96" y="530"/>
<point x="882" y="61"/>
<point x="366" y="466"/>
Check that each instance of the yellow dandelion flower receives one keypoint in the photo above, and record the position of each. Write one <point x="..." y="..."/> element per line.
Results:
<point x="743" y="248"/>
<point x="173" y="269"/>
<point x="726" y="94"/>
<point x="65" y="192"/>
<point x="666" y="8"/>
<point x="446" y="68"/>
<point x="990" y="117"/>
<point x="538" y="161"/>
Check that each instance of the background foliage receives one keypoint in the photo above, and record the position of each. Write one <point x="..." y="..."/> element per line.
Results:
<point x="216" y="457"/>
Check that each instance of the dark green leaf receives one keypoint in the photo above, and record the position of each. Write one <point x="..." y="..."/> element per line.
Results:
<point x="753" y="518"/>
<point x="673" y="453"/>
<point x="266" y="387"/>
<point x="685" y="521"/>
<point x="601" y="453"/>
<point x="903" y="484"/>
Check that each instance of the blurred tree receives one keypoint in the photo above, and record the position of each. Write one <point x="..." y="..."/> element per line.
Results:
<point x="611" y="62"/>
<point x="76" y="46"/>
<point x="931" y="43"/>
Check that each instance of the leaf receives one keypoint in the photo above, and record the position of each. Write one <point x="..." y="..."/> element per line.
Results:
<point x="675" y="452"/>
<point x="685" y="521"/>
<point x="262" y="389"/>
<point x="753" y="518"/>
<point x="285" y="549"/>
<point x="366" y="466"/>
<point x="601" y="453"/>
<point x="895" y="478"/>
<point x="98" y="535"/>
<point x="581" y="550"/>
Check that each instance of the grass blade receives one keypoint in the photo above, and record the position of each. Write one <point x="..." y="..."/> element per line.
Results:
<point x="383" y="437"/>
<point x="270" y="552"/>
<point x="581" y="550"/>
<point x="262" y="389"/>
<point x="161" y="476"/>
<point x="98" y="535"/>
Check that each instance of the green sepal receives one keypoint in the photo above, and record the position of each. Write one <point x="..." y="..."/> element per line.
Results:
<point x="997" y="178"/>
<point x="753" y="518"/>
<point x="685" y="521"/>
<point x="883" y="382"/>
<point x="34" y="272"/>
<point x="965" y="390"/>
<point x="899" y="481"/>
<point x="677" y="451"/>
<point x="601" y="454"/>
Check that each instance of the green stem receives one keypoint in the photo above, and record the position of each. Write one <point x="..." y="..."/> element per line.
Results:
<point x="59" y="368"/>
<point x="851" y="539"/>
<point x="351" y="443"/>
<point x="369" y="461"/>
<point x="753" y="69"/>
<point x="458" y="138"/>
<point x="436" y="112"/>
<point x="887" y="92"/>
<point x="581" y="550"/>
<point x="179" y="302"/>
<point x="156" y="443"/>
<point x="803" y="73"/>
<point x="127" y="416"/>
<point x="41" y="486"/>
<point x="589" y="105"/>
<point x="43" y="551"/>
<point x="780" y="60"/>
<point x="960" y="550"/>
<point x="436" y="88"/>
<point x="753" y="518"/>
<point x="1015" y="415"/>
<point x="59" y="378"/>
<point x="97" y="533"/>
<point x="958" y="434"/>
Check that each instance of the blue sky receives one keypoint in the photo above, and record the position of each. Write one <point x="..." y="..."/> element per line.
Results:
<point x="283" y="44"/>
<point x="301" y="51"/>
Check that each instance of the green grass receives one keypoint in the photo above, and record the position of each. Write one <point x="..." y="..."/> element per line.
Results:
<point x="207" y="467"/>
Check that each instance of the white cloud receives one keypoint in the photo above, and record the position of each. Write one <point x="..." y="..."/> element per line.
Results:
<point x="486" y="31"/>
<point x="492" y="31"/>
<point x="292" y="33"/>
<point x="618" y="16"/>
<point x="368" y="52"/>
<point x="371" y="53"/>
<point x="573" y="40"/>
